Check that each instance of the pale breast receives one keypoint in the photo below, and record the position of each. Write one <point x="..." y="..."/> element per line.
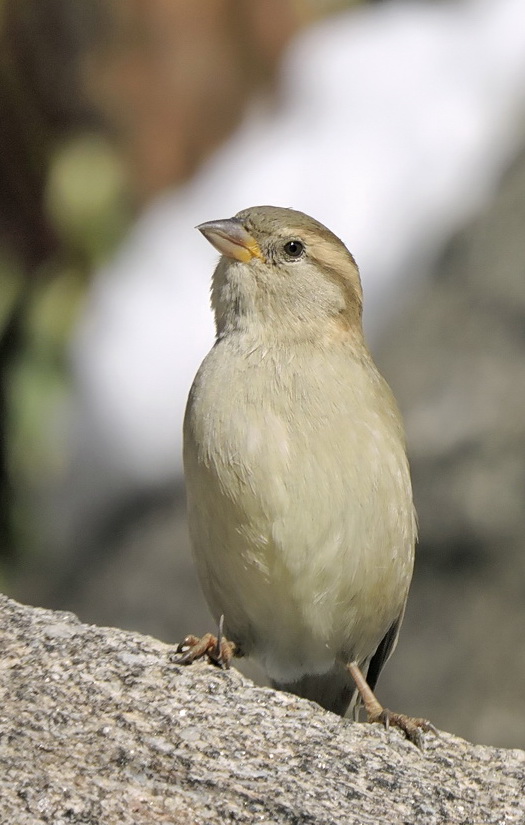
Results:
<point x="300" y="506"/>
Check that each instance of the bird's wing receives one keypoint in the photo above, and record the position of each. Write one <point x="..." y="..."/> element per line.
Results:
<point x="384" y="651"/>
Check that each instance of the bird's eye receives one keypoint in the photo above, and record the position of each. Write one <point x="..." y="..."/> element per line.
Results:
<point x="294" y="249"/>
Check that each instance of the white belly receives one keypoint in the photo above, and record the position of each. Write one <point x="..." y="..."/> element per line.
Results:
<point x="300" y="515"/>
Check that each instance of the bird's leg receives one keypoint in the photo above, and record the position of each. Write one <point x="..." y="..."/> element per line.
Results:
<point x="219" y="650"/>
<point x="410" y="725"/>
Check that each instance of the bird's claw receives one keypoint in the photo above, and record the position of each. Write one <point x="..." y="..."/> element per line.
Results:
<point x="411" y="726"/>
<point x="218" y="650"/>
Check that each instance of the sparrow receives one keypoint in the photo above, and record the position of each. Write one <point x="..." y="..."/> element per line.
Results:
<point x="299" y="496"/>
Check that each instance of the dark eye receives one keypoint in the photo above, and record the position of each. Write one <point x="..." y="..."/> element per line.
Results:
<point x="294" y="249"/>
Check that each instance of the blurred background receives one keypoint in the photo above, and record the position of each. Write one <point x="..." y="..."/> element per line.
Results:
<point x="400" y="125"/>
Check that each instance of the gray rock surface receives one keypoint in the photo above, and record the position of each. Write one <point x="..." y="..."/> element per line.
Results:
<point x="102" y="726"/>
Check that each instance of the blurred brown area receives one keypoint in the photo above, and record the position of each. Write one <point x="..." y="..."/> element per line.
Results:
<point x="173" y="79"/>
<point x="40" y="100"/>
<point x="139" y="94"/>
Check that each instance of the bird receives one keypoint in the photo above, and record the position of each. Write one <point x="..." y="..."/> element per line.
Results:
<point x="300" y="507"/>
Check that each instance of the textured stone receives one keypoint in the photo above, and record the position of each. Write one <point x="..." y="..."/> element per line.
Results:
<point x="102" y="726"/>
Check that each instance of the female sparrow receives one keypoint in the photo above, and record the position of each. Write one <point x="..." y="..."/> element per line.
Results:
<point x="299" y="497"/>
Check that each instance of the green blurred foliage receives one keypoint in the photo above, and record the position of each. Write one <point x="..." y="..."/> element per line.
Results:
<point x="86" y="205"/>
<point x="84" y="195"/>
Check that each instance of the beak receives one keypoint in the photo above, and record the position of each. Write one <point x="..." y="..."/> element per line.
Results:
<point x="231" y="239"/>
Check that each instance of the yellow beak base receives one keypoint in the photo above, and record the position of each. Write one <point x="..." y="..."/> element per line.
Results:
<point x="230" y="238"/>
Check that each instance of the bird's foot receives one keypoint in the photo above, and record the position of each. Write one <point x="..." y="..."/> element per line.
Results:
<point x="218" y="650"/>
<point x="411" y="726"/>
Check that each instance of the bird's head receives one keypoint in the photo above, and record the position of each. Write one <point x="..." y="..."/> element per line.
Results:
<point x="282" y="274"/>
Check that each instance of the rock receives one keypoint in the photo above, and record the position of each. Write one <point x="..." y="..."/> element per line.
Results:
<point x="102" y="726"/>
